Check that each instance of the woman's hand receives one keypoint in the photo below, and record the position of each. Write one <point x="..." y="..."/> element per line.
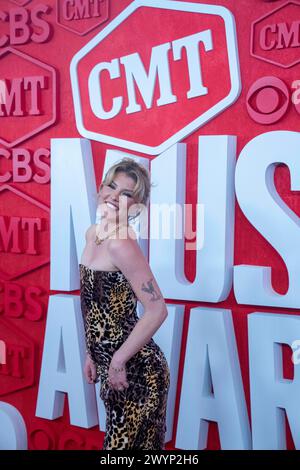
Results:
<point x="117" y="375"/>
<point x="90" y="371"/>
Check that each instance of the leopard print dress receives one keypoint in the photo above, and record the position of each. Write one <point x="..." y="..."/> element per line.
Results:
<point x="135" y="416"/>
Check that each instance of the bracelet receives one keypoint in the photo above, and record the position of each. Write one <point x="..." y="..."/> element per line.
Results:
<point x="117" y="369"/>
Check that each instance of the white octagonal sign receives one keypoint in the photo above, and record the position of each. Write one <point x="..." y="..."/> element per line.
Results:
<point x="156" y="73"/>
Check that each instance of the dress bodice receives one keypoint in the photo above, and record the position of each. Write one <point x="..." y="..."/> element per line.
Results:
<point x="108" y="305"/>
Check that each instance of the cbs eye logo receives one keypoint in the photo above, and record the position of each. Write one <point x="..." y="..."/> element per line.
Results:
<point x="268" y="99"/>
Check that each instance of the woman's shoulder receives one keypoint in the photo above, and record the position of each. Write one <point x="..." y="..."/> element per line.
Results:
<point x="127" y="232"/>
<point x="124" y="248"/>
<point x="125" y="238"/>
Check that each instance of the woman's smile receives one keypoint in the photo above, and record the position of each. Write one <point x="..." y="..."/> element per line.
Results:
<point x="112" y="205"/>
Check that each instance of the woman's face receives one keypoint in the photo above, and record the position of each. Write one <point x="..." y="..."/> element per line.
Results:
<point x="116" y="199"/>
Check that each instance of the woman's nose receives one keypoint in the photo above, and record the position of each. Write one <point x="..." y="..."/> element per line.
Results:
<point x="116" y="195"/>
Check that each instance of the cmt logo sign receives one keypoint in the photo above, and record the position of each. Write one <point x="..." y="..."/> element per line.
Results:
<point x="81" y="16"/>
<point x="275" y="37"/>
<point x="22" y="236"/>
<point x="156" y="73"/>
<point x="12" y="92"/>
<point x="27" y="98"/>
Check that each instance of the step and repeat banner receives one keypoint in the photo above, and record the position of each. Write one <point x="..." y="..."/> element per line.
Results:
<point x="207" y="97"/>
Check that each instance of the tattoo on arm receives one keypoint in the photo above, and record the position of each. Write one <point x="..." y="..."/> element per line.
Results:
<point x="150" y="289"/>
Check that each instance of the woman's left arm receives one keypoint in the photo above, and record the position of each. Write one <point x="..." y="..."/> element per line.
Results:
<point x="144" y="285"/>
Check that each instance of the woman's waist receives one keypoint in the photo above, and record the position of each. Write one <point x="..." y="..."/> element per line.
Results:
<point x="101" y="330"/>
<point x="104" y="349"/>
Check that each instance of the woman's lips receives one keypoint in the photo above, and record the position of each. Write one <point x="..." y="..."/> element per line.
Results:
<point x="110" y="204"/>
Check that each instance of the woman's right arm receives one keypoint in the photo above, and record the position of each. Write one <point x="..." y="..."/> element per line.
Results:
<point x="90" y="371"/>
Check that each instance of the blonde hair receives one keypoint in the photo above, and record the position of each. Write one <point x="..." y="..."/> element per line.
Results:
<point x="137" y="172"/>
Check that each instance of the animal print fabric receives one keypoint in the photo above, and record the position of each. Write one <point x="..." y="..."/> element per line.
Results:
<point x="136" y="416"/>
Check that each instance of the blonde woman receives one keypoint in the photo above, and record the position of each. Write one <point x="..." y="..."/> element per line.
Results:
<point x="121" y="353"/>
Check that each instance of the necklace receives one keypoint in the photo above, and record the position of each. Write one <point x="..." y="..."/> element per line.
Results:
<point x="99" y="240"/>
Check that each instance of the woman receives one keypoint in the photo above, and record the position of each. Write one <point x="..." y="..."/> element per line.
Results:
<point x="121" y="352"/>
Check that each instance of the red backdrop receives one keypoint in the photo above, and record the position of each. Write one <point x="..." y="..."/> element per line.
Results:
<point x="25" y="191"/>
